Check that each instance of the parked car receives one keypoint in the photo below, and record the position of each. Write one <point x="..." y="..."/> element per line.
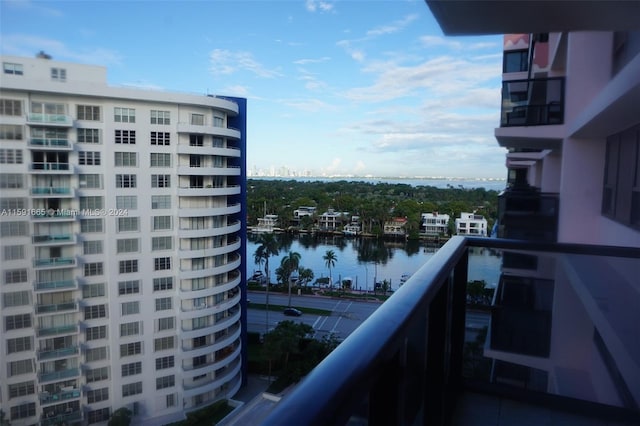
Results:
<point x="292" y="312"/>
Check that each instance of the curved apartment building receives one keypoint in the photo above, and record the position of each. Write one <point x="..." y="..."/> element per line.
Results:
<point x="122" y="216"/>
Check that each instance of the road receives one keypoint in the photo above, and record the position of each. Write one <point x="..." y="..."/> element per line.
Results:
<point x="346" y="315"/>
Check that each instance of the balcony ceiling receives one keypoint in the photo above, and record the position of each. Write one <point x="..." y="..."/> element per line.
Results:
<point x="478" y="17"/>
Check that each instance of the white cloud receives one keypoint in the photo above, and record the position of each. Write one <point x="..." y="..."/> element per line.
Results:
<point x="393" y="27"/>
<point x="318" y="5"/>
<point x="311" y="60"/>
<point x="228" y="62"/>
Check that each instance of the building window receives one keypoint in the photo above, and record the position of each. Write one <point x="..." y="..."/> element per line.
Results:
<point x="98" y="416"/>
<point x="27" y="409"/>
<point x="129" y="349"/>
<point x="161" y="243"/>
<point x="128" y="287"/>
<point x="13" y="252"/>
<point x="166" y="323"/>
<point x="19" y="344"/>
<point x="88" y="112"/>
<point x="163" y="303"/>
<point x="95" y="333"/>
<point x="21" y="389"/>
<point x="95" y="354"/>
<point x="95" y="312"/>
<point x="58" y="74"/>
<point x="196" y="140"/>
<point x="11" y="107"/>
<point x="128" y="266"/>
<point x="130" y="329"/>
<point x="93" y="269"/>
<point x="11" y="68"/>
<point x="161" y="263"/>
<point x="124" y="115"/>
<point x="91" y="225"/>
<point x="163" y="283"/>
<point x="10" y="156"/>
<point x="131" y="389"/>
<point x="91" y="203"/>
<point x="160" y="138"/>
<point x="15" y="276"/>
<point x="125" y="137"/>
<point x="97" y="395"/>
<point x="97" y="374"/>
<point x="160" y="159"/>
<point x="131" y="369"/>
<point x="11" y="181"/>
<point x="165" y="362"/>
<point x="165" y="382"/>
<point x="16" y="298"/>
<point x="11" y="132"/>
<point x="126" y="159"/>
<point x="128" y="202"/>
<point x="92" y="247"/>
<point x="128" y="224"/>
<point x="88" y="135"/>
<point x="12" y="203"/>
<point x="24" y="366"/>
<point x="127" y="245"/>
<point x="621" y="189"/>
<point x="126" y="181"/>
<point x="197" y="119"/>
<point x="163" y="343"/>
<point x="161" y="202"/>
<point x="161" y="181"/>
<point x="13" y="229"/>
<point x="160" y="117"/>
<point x="218" y="121"/>
<point x="16" y="322"/>
<point x="130" y="308"/>
<point x="515" y="61"/>
<point x="89" y="158"/>
<point x="90" y="181"/>
<point x="93" y="290"/>
<point x="161" y="223"/>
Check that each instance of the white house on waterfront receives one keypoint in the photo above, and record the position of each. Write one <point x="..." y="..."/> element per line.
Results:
<point x="122" y="244"/>
<point x="471" y="224"/>
<point x="434" y="224"/>
<point x="331" y="220"/>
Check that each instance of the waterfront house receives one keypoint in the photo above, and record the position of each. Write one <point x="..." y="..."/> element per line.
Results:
<point x="331" y="220"/>
<point x="471" y="224"/>
<point x="395" y="227"/>
<point x="434" y="224"/>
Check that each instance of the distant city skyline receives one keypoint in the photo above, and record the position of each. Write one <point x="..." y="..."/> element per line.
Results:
<point x="346" y="88"/>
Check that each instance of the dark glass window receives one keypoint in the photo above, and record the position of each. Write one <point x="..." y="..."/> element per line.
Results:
<point x="515" y="61"/>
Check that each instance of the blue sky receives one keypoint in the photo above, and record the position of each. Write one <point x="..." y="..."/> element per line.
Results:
<point x="352" y="87"/>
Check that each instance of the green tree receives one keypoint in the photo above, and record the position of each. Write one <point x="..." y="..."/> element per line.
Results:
<point x="289" y="264"/>
<point x="120" y="417"/>
<point x="268" y="247"/>
<point x="330" y="260"/>
<point x="306" y="276"/>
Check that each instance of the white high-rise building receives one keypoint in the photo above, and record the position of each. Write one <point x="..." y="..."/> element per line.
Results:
<point x="121" y="224"/>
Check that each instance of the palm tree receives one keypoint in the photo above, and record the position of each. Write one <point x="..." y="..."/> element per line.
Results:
<point x="306" y="275"/>
<point x="289" y="264"/>
<point x="268" y="247"/>
<point x="330" y="260"/>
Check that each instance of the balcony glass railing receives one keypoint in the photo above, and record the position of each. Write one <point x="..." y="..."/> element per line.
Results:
<point x="57" y="375"/>
<point x="435" y="338"/>
<point x="61" y="419"/>
<point x="50" y="166"/>
<point x="59" y="238"/>
<point x="50" y="398"/>
<point x="62" y="119"/>
<point x="57" y="353"/>
<point x="532" y="102"/>
<point x="52" y="285"/>
<point x="56" y="307"/>
<point x="61" y="329"/>
<point x="54" y="261"/>
<point x="50" y="190"/>
<point x="48" y="142"/>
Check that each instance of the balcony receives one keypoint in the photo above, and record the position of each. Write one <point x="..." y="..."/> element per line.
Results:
<point x="63" y="395"/>
<point x="58" y="168"/>
<point x="55" y="285"/>
<point x="534" y="102"/>
<point x="39" y="119"/>
<point x="57" y="353"/>
<point x="58" y="239"/>
<point x="53" y="331"/>
<point x="54" y="191"/>
<point x="208" y="128"/>
<point x="59" y="375"/>
<point x="50" y="144"/>
<point x="528" y="215"/>
<point x="56" y="307"/>
<point x="61" y="419"/>
<point x="54" y="262"/>
<point x="410" y="362"/>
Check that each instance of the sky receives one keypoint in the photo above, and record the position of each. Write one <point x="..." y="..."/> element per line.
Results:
<point x="349" y="88"/>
